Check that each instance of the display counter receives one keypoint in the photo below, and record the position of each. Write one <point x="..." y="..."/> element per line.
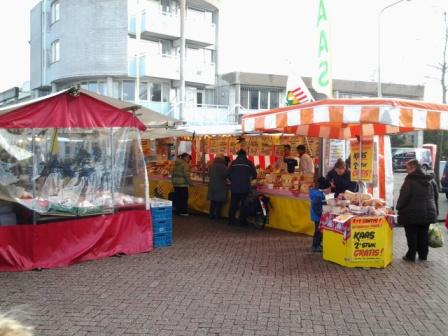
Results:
<point x="289" y="212"/>
<point x="357" y="241"/>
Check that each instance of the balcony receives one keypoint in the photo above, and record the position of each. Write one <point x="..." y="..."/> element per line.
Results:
<point x="199" y="32"/>
<point x="160" y="66"/>
<point x="197" y="115"/>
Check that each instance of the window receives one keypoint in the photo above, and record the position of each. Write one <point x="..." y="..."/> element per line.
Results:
<point x="274" y="99"/>
<point x="167" y="46"/>
<point x="143" y="91"/>
<point x="55" y="53"/>
<point x="93" y="86"/>
<point x="54" y="11"/>
<point x="102" y="88"/>
<point x="264" y="99"/>
<point x="116" y="89"/>
<point x="253" y="99"/>
<point x="243" y="99"/>
<point x="156" y="92"/>
<point x="129" y="90"/>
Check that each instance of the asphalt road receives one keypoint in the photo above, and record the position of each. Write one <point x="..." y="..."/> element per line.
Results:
<point x="443" y="202"/>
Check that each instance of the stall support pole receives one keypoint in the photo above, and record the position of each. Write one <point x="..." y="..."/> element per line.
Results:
<point x="112" y="159"/>
<point x="34" y="175"/>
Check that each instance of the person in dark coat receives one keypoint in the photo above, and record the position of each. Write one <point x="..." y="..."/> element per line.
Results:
<point x="417" y="209"/>
<point x="340" y="179"/>
<point x="217" y="187"/>
<point x="240" y="174"/>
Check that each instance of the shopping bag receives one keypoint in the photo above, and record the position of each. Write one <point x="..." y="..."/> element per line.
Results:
<point x="446" y="220"/>
<point x="435" y="236"/>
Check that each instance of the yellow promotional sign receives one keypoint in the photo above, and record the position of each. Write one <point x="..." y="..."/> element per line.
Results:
<point x="365" y="159"/>
<point x="367" y="238"/>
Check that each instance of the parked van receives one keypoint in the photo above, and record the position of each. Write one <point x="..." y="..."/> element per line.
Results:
<point x="402" y="155"/>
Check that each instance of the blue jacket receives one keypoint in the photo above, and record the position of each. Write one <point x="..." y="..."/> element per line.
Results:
<point x="317" y="198"/>
<point x="240" y="173"/>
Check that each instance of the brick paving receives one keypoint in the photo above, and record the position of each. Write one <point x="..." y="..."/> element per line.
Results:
<point x="220" y="280"/>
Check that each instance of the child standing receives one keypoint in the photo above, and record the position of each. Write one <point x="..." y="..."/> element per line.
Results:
<point x="317" y="198"/>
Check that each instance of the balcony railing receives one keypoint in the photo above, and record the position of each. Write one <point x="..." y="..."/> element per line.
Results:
<point x="206" y="114"/>
<point x="167" y="66"/>
<point x="156" y="23"/>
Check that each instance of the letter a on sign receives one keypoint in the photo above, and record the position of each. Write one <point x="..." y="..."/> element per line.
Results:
<point x="322" y="81"/>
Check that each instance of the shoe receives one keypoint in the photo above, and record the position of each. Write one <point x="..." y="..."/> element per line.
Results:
<point x="422" y="258"/>
<point x="406" y="258"/>
<point x="184" y="214"/>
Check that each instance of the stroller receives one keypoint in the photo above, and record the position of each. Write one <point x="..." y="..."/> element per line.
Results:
<point x="257" y="206"/>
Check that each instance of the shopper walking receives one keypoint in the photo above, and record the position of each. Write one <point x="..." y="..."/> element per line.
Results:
<point x="240" y="174"/>
<point x="417" y="210"/>
<point x="180" y="178"/>
<point x="217" y="187"/>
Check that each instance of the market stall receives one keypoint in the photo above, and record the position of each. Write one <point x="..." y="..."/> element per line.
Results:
<point x="289" y="197"/>
<point x="367" y="123"/>
<point x="66" y="167"/>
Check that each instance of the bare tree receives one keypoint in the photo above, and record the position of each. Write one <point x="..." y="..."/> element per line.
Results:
<point x="442" y="68"/>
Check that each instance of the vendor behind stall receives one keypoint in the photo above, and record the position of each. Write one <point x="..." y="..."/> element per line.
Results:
<point x="287" y="162"/>
<point x="306" y="164"/>
<point x="339" y="178"/>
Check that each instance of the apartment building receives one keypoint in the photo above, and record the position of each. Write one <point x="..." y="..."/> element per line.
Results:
<point x="96" y="44"/>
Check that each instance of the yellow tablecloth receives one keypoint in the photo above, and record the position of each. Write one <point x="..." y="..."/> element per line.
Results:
<point x="288" y="214"/>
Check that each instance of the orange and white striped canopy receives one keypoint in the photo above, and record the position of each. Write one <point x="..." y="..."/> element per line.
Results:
<point x="348" y="118"/>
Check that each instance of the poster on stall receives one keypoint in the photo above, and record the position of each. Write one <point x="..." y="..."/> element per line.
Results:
<point x="367" y="238"/>
<point x="223" y="145"/>
<point x="234" y="145"/>
<point x="255" y="145"/>
<point x="336" y="151"/>
<point x="366" y="162"/>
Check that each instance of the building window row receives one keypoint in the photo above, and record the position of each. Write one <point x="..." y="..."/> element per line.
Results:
<point x="260" y="98"/>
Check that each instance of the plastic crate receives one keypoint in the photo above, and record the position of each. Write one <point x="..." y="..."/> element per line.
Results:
<point x="159" y="202"/>
<point x="162" y="226"/>
<point x="163" y="239"/>
<point x="161" y="213"/>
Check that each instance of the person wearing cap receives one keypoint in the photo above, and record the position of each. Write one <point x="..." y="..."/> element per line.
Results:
<point x="240" y="173"/>
<point x="317" y="198"/>
<point x="306" y="164"/>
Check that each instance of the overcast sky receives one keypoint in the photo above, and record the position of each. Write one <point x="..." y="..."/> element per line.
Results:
<point x="279" y="37"/>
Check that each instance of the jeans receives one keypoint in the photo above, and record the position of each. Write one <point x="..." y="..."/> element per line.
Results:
<point x="237" y="201"/>
<point x="417" y="237"/>
<point x="181" y="199"/>
<point x="317" y="238"/>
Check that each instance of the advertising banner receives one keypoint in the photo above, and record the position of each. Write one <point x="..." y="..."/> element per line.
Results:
<point x="365" y="159"/>
<point x="368" y="238"/>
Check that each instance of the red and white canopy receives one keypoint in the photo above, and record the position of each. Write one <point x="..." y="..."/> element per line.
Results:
<point x="348" y="118"/>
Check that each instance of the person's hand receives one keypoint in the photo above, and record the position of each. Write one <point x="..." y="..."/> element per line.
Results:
<point x="333" y="185"/>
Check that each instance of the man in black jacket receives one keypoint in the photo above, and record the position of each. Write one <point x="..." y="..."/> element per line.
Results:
<point x="240" y="174"/>
<point x="417" y="209"/>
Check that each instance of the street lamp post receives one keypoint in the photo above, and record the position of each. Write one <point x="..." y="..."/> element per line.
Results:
<point x="379" y="42"/>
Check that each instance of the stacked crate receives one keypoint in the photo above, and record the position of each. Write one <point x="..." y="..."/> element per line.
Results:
<point x="162" y="222"/>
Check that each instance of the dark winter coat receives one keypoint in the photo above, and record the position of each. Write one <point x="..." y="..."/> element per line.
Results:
<point x="217" y="187"/>
<point x="342" y="182"/>
<point x="240" y="174"/>
<point x="417" y="201"/>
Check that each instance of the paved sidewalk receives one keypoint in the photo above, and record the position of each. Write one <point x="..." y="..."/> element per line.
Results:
<point x="220" y="280"/>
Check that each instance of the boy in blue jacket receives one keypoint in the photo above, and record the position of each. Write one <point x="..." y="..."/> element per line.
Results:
<point x="317" y="197"/>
